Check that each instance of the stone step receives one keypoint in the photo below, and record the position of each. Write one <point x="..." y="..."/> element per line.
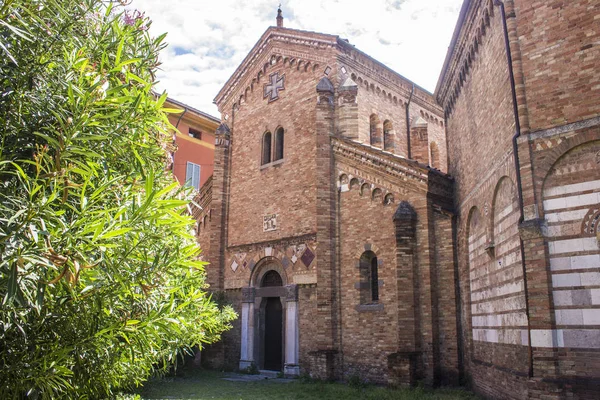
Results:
<point x="269" y="374"/>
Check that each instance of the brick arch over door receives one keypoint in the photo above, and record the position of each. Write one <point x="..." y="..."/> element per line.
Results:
<point x="265" y="265"/>
<point x="570" y="194"/>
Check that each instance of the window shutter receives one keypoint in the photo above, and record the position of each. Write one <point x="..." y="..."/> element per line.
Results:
<point x="196" y="177"/>
<point x="189" y="173"/>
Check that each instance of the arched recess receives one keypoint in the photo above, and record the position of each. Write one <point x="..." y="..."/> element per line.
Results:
<point x="434" y="155"/>
<point x="551" y="158"/>
<point x="571" y="207"/>
<point x="388" y="136"/>
<point x="505" y="294"/>
<point x="343" y="179"/>
<point x="365" y="188"/>
<point x="475" y="262"/>
<point x="266" y="148"/>
<point x="377" y="195"/>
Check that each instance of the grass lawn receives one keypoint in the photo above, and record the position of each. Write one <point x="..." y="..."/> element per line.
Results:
<point x="210" y="385"/>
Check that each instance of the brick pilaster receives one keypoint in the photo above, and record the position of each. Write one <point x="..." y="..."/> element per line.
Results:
<point x="216" y="256"/>
<point x="419" y="143"/>
<point x="326" y="192"/>
<point x="405" y="363"/>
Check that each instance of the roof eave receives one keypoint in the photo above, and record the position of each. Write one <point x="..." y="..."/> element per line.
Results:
<point x="452" y="47"/>
<point x="193" y="110"/>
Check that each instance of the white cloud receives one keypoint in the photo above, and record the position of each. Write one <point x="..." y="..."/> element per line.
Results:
<point x="208" y="39"/>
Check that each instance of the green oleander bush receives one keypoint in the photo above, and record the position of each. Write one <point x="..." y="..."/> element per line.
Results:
<point x="100" y="283"/>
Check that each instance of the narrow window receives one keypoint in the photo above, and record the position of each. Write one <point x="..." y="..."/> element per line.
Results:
<point x="373" y="121"/>
<point x="266" y="148"/>
<point x="278" y="144"/>
<point x="374" y="280"/>
<point x="369" y="278"/>
<point x="388" y="135"/>
<point x="192" y="175"/>
<point x="375" y="131"/>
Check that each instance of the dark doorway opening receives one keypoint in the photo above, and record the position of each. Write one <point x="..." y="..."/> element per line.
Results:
<point x="273" y="334"/>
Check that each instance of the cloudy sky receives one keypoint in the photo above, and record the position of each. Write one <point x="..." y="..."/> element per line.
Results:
<point x="209" y="38"/>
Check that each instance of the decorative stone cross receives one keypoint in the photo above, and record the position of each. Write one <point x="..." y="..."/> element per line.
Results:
<point x="272" y="88"/>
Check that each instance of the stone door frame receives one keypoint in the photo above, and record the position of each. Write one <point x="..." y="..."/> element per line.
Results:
<point x="252" y="302"/>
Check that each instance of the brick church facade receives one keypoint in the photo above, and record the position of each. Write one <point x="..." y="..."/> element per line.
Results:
<point x="362" y="226"/>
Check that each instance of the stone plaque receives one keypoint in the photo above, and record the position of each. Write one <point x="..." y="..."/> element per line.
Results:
<point x="270" y="223"/>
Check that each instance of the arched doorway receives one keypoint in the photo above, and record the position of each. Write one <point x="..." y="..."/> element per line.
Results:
<point x="272" y="339"/>
<point x="269" y="331"/>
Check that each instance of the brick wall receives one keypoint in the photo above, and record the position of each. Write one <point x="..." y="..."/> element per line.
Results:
<point x="480" y="124"/>
<point x="307" y="307"/>
<point x="386" y="95"/>
<point x="420" y="339"/>
<point x="553" y="53"/>
<point x="482" y="127"/>
<point x="286" y="188"/>
<point x="365" y="345"/>
<point x="445" y="307"/>
<point x="559" y="62"/>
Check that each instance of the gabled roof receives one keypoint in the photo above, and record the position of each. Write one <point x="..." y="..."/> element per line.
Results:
<point x="258" y="48"/>
<point x="310" y="37"/>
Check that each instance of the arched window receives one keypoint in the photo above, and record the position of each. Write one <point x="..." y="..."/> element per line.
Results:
<point x="369" y="278"/>
<point x="373" y="134"/>
<point x="278" y="144"/>
<point x="388" y="135"/>
<point x="266" y="148"/>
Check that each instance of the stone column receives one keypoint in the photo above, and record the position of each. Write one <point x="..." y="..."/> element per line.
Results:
<point x="291" y="366"/>
<point x="247" y="345"/>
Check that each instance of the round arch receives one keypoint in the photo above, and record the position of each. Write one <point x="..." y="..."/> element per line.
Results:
<point x="265" y="265"/>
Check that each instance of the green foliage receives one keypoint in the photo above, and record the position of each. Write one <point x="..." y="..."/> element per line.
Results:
<point x="355" y="382"/>
<point x="100" y="283"/>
